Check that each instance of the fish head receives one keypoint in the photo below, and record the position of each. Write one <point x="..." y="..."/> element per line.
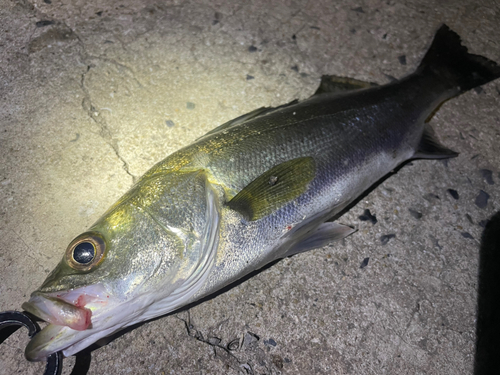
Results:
<point x="123" y="270"/>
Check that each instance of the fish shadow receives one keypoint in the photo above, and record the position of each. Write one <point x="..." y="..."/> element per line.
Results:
<point x="488" y="302"/>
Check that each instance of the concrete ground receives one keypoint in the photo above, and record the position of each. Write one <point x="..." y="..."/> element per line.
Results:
<point x="93" y="93"/>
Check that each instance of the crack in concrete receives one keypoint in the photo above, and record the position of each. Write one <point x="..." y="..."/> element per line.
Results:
<point x="87" y="105"/>
<point x="104" y="132"/>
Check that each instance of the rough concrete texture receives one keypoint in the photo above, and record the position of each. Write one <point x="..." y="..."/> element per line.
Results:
<point x="94" y="93"/>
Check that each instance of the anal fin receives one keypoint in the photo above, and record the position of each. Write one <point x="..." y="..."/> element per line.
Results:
<point x="321" y="236"/>
<point x="430" y="148"/>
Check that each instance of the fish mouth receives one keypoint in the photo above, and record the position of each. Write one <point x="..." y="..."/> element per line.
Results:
<point x="59" y="312"/>
<point x="71" y="316"/>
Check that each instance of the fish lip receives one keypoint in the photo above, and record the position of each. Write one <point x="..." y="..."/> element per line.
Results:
<point x="57" y="311"/>
<point x="72" y="308"/>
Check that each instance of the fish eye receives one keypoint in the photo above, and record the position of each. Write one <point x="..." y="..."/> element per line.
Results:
<point x="85" y="251"/>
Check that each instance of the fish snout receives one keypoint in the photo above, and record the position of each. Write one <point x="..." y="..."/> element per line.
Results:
<point x="56" y="311"/>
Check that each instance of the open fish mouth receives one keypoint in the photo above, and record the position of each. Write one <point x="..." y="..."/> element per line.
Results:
<point x="70" y="315"/>
<point x="58" y="312"/>
<point x="71" y="308"/>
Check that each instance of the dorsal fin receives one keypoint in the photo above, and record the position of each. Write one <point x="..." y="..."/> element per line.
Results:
<point x="336" y="84"/>
<point x="247" y="116"/>
<point x="238" y="120"/>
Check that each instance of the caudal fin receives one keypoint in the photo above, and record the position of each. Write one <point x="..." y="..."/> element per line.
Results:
<point x="448" y="59"/>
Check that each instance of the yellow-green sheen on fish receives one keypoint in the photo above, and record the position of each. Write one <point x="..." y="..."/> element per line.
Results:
<point x="253" y="190"/>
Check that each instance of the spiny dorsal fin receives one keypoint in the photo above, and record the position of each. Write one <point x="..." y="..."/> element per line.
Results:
<point x="238" y="120"/>
<point x="274" y="188"/>
<point x="336" y="84"/>
<point x="430" y="148"/>
<point x="246" y="117"/>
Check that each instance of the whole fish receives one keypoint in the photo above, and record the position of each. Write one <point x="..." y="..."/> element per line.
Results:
<point x="253" y="190"/>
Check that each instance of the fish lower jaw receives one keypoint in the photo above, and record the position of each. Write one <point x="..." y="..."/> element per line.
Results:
<point x="53" y="338"/>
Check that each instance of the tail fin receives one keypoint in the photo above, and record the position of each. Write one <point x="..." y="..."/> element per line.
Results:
<point x="448" y="59"/>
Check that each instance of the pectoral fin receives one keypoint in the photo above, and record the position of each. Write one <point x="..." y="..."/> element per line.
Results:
<point x="321" y="236"/>
<point x="274" y="188"/>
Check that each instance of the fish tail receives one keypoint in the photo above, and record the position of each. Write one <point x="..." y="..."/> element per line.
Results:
<point x="455" y="67"/>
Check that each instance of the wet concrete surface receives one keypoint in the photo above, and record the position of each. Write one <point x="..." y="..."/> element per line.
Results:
<point x="94" y="93"/>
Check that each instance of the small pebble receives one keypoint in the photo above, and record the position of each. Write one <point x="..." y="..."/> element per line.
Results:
<point x="386" y="238"/>
<point x="44" y="23"/>
<point x="482" y="199"/>
<point x="417" y="215"/>
<point x="367" y="216"/>
<point x="170" y="123"/>
<point x="467" y="235"/>
<point x="270" y="342"/>
<point x="488" y="176"/>
<point x="430" y="197"/>
<point x="364" y="263"/>
<point x="453" y="193"/>
<point x="217" y="17"/>
<point x="189" y="105"/>
<point x="250" y="338"/>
